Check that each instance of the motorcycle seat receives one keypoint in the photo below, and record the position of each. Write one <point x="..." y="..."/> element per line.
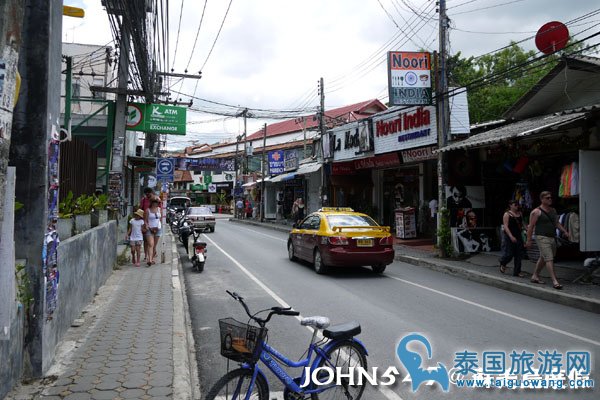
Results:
<point x="200" y="244"/>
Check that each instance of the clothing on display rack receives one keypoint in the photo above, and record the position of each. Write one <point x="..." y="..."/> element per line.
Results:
<point x="569" y="180"/>
<point x="570" y="221"/>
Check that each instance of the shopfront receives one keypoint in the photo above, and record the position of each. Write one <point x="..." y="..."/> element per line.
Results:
<point x="350" y="185"/>
<point x="408" y="135"/>
<point x="519" y="161"/>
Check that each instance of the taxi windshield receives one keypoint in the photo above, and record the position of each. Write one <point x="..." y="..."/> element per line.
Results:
<point x="350" y="220"/>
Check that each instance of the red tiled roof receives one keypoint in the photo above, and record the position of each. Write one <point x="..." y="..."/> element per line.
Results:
<point x="353" y="112"/>
<point x="182" y="176"/>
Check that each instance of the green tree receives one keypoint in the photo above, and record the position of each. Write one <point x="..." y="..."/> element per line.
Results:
<point x="496" y="81"/>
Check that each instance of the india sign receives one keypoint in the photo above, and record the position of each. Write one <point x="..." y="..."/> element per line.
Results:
<point x="409" y="78"/>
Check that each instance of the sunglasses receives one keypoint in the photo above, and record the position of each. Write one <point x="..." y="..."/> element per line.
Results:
<point x="548" y="197"/>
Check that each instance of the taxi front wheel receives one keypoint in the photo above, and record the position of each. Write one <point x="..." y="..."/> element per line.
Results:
<point x="291" y="253"/>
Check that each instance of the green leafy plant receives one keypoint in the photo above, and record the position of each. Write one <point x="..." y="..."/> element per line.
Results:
<point x="18" y="205"/>
<point x="100" y="202"/>
<point x="444" y="234"/>
<point x="84" y="204"/>
<point x="66" y="206"/>
<point x="222" y="198"/>
<point x="24" y="293"/>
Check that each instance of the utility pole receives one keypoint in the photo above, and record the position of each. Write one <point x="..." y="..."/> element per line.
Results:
<point x="116" y="179"/>
<point x="322" y="129"/>
<point x="263" y="207"/>
<point x="443" y="117"/>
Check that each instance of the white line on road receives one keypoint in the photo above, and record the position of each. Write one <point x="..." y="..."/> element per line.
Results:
<point x="572" y="335"/>
<point x="384" y="391"/>
<point x="262" y="234"/>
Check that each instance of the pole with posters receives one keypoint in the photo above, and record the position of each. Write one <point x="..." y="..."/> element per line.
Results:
<point x="442" y="111"/>
<point x="263" y="207"/>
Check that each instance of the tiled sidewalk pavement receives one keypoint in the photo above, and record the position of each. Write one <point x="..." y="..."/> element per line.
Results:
<point x="129" y="353"/>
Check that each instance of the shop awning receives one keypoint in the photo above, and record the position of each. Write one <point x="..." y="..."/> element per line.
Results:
<point x="516" y="130"/>
<point x="250" y="184"/>
<point x="303" y="169"/>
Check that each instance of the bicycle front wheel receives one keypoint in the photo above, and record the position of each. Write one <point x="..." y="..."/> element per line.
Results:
<point x="343" y="355"/>
<point x="234" y="386"/>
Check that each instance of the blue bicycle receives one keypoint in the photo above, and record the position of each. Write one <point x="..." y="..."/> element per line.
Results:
<point x="338" y="352"/>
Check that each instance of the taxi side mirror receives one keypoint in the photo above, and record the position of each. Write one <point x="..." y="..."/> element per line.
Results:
<point x="294" y="225"/>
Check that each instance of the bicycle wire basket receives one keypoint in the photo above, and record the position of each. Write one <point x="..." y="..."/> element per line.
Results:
<point x="240" y="342"/>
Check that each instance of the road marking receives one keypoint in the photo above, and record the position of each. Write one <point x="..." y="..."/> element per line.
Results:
<point x="264" y="234"/>
<point x="385" y="392"/>
<point x="572" y="335"/>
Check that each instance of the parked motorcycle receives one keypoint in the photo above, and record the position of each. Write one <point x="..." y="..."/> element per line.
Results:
<point x="199" y="256"/>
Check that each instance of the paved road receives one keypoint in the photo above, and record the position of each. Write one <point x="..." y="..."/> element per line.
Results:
<point x="454" y="314"/>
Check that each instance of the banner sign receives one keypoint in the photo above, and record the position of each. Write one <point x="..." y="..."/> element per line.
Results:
<point x="156" y="118"/>
<point x="290" y="160"/>
<point x="205" y="164"/>
<point x="409" y="78"/>
<point x="406" y="128"/>
<point x="276" y="160"/>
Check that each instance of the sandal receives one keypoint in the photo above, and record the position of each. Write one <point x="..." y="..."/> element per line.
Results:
<point x="558" y="286"/>
<point x="537" y="281"/>
<point x="521" y="275"/>
<point x="502" y="268"/>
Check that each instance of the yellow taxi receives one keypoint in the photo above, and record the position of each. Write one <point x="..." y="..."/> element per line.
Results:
<point x="341" y="237"/>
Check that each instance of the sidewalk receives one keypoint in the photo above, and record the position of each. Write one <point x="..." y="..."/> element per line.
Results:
<point x="484" y="268"/>
<point x="134" y="340"/>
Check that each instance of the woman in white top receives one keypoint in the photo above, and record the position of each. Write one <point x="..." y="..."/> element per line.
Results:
<point x="135" y="236"/>
<point x="152" y="219"/>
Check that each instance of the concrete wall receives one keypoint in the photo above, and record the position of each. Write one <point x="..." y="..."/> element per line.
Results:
<point x="86" y="261"/>
<point x="11" y="354"/>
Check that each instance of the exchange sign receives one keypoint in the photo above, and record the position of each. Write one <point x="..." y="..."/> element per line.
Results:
<point x="156" y="118"/>
<point x="409" y="78"/>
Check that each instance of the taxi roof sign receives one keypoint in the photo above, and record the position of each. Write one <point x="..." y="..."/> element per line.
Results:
<point x="73" y="12"/>
<point x="347" y="209"/>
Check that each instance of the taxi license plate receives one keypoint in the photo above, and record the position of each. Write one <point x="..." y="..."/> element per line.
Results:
<point x="364" y="242"/>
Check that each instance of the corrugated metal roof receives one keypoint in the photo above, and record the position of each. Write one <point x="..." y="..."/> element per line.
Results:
<point x="516" y="130"/>
<point x="356" y="111"/>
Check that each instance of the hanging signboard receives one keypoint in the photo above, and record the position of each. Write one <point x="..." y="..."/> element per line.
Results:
<point x="409" y="78"/>
<point x="276" y="162"/>
<point x="156" y="118"/>
<point x="290" y="160"/>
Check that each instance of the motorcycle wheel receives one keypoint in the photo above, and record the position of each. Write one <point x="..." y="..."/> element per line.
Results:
<point x="199" y="266"/>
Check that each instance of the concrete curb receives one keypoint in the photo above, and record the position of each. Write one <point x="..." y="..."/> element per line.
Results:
<point x="185" y="368"/>
<point x="542" y="293"/>
<point x="274" y="227"/>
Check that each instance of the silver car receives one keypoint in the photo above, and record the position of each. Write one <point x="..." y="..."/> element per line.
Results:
<point x="201" y="218"/>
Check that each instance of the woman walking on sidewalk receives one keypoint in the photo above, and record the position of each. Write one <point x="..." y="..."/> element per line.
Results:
<point x="512" y="235"/>
<point x="152" y="219"/>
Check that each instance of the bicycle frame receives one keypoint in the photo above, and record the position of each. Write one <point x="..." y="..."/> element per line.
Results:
<point x="270" y="357"/>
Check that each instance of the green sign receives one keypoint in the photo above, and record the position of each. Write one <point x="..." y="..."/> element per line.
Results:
<point x="156" y="118"/>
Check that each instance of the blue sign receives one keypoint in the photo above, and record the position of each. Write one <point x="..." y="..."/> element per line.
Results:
<point x="276" y="160"/>
<point x="165" y="168"/>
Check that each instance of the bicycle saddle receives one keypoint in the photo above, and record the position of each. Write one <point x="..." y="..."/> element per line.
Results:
<point x="316" y="321"/>
<point x="343" y="331"/>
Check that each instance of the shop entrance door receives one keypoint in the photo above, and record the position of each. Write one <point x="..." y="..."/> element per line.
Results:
<point x="589" y="203"/>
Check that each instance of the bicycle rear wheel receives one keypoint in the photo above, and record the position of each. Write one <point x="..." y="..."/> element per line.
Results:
<point x="343" y="355"/>
<point x="234" y="386"/>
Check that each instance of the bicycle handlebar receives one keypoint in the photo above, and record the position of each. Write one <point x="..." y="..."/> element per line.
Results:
<point x="274" y="310"/>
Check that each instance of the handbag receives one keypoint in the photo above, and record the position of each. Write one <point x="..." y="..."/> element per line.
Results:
<point x="154" y="231"/>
